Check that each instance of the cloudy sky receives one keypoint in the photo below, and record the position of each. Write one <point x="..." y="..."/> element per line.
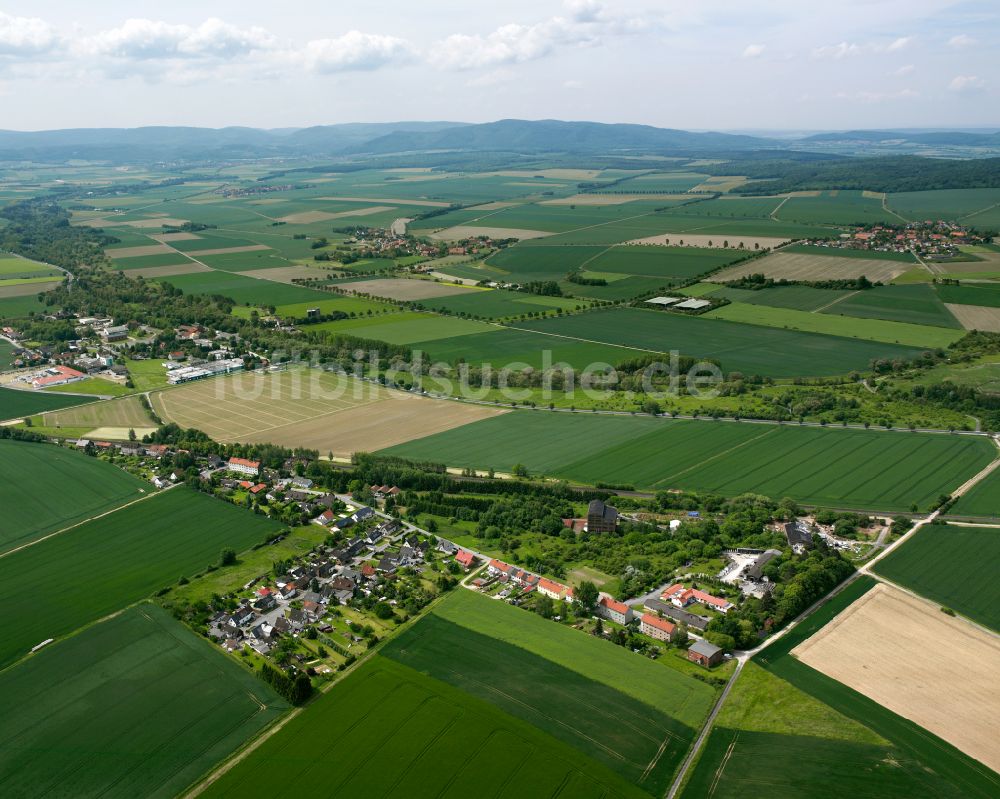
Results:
<point x="710" y="64"/>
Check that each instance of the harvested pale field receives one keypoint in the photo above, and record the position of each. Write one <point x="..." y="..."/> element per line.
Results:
<point x="393" y="200"/>
<point x="720" y="183"/>
<point x="268" y="201"/>
<point x="186" y="268"/>
<point x="158" y="221"/>
<point x="541" y="186"/>
<point x="136" y="252"/>
<point x="468" y="231"/>
<point x="873" y="195"/>
<point x="716" y="241"/>
<point x="120" y="413"/>
<point x="904" y="653"/>
<point x="308" y="217"/>
<point x="988" y="262"/>
<point x="494" y="206"/>
<point x="182" y="236"/>
<point x="400" y="288"/>
<point x="118" y="433"/>
<point x="285" y="274"/>
<point x="27" y="289"/>
<point x="228" y="250"/>
<point x="976" y="317"/>
<point x="310" y="408"/>
<point x="611" y="199"/>
<point x="801" y="266"/>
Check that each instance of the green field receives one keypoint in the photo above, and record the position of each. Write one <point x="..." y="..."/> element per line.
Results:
<point x="986" y="294"/>
<point x="405" y="328"/>
<point x="103" y="565"/>
<point x="751" y="349"/>
<point x="800" y="298"/>
<point x="44" y="488"/>
<point x="836" y="208"/>
<point x="531" y="262"/>
<point x="984" y="498"/>
<point x="19" y="307"/>
<point x="146" y="261"/>
<point x="13" y="268"/>
<point x="387" y="730"/>
<point x="498" y="303"/>
<point x="840" y="468"/>
<point x="146" y="707"/>
<point x="593" y="717"/>
<point x="915" y="304"/>
<point x="948" y="204"/>
<point x="919" y="763"/>
<point x="949" y="564"/>
<point x="901" y="333"/>
<point x="243" y="290"/>
<point x="15" y="403"/>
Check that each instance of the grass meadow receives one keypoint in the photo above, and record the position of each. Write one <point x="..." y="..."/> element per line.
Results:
<point x="983" y="499"/>
<point x="948" y="564"/>
<point x="101" y="566"/>
<point x="146" y="708"/>
<point x="44" y="488"/>
<point x="15" y="403"/>
<point x="831" y="467"/>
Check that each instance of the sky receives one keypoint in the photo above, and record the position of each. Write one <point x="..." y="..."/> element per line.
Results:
<point x="710" y="64"/>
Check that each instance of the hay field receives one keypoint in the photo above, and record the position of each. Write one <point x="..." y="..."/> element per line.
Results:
<point x="227" y="250"/>
<point x="976" y="317"/>
<point x="308" y="217"/>
<point x="285" y="274"/>
<point x="902" y="652"/>
<point x="182" y="236"/>
<point x="403" y="289"/>
<point x="310" y="408"/>
<point x="736" y="241"/>
<point x="797" y="266"/>
<point x="125" y="412"/>
<point x="28" y="289"/>
<point x="468" y="231"/>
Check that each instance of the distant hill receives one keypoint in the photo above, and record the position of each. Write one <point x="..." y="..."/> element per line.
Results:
<point x="549" y="135"/>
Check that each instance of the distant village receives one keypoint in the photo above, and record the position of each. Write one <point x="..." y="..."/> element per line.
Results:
<point x="931" y="239"/>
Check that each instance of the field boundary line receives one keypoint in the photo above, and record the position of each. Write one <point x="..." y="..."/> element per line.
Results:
<point x="86" y="521"/>
<point x="839" y="299"/>
<point x="718" y="455"/>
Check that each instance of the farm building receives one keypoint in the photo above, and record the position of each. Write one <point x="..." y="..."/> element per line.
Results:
<point x="601" y="518"/>
<point x="56" y="376"/>
<point x="655" y="627"/>
<point x="755" y="571"/>
<point x="618" y="612"/>
<point x="704" y="654"/>
<point x="243" y="466"/>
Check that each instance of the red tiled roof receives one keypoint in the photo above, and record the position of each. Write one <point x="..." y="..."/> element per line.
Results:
<point x="464" y="557"/>
<point x="660" y="624"/>
<point x="612" y="604"/>
<point x="244" y="462"/>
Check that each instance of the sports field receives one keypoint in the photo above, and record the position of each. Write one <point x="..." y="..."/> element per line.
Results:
<point x="44" y="488"/>
<point x="949" y="565"/>
<point x="879" y="647"/>
<point x="802" y="267"/>
<point x="101" y="566"/>
<point x="840" y="468"/>
<point x="902" y="333"/>
<point x="15" y="403"/>
<point x="751" y="349"/>
<point x="312" y="409"/>
<point x="387" y="730"/>
<point x="137" y="705"/>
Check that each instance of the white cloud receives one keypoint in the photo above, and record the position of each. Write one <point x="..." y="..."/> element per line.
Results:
<point x="588" y="23"/>
<point x="754" y="50"/>
<point x="142" y="39"/>
<point x="869" y="97"/>
<point x="836" y="50"/>
<point x="962" y="41"/>
<point x="572" y="84"/>
<point x="25" y="36"/>
<point x="899" y="44"/>
<point x="966" y="83"/>
<point x="906" y="69"/>
<point x="354" y="51"/>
